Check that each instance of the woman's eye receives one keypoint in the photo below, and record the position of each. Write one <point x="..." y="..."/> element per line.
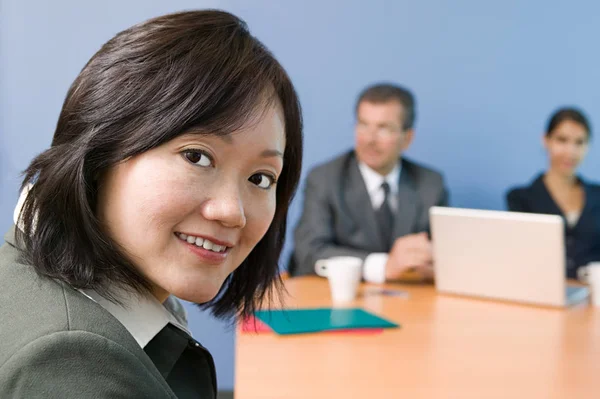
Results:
<point x="197" y="158"/>
<point x="262" y="180"/>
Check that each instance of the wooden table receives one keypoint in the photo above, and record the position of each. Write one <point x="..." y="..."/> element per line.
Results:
<point x="448" y="347"/>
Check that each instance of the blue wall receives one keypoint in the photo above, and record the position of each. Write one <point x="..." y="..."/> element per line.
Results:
<point x="486" y="76"/>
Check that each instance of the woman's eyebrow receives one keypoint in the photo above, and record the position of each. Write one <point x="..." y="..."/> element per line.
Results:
<point x="271" y="153"/>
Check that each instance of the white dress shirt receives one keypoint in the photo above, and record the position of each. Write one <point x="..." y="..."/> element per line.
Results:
<point x="572" y="218"/>
<point x="373" y="182"/>
<point x="142" y="315"/>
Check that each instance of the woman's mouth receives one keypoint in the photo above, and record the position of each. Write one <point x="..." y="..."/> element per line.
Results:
<point x="202" y="243"/>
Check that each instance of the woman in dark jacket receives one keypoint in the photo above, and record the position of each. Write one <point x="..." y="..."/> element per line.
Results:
<point x="560" y="191"/>
<point x="173" y="163"/>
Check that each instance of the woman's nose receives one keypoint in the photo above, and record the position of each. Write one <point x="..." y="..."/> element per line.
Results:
<point x="226" y="206"/>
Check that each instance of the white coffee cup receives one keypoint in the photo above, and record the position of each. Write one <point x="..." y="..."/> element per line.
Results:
<point x="344" y="274"/>
<point x="590" y="274"/>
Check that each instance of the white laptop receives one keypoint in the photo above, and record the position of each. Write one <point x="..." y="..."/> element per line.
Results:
<point x="508" y="256"/>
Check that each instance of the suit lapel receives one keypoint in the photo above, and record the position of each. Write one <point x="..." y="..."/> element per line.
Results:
<point x="359" y="207"/>
<point x="590" y="202"/>
<point x="407" y="203"/>
<point x="543" y="197"/>
<point x="547" y="205"/>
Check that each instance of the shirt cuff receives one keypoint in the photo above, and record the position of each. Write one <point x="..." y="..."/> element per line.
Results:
<point x="374" y="267"/>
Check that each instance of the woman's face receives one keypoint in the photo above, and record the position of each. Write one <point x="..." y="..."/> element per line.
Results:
<point x="188" y="212"/>
<point x="567" y="145"/>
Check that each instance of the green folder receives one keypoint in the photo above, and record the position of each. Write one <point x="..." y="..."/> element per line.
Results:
<point x="300" y="321"/>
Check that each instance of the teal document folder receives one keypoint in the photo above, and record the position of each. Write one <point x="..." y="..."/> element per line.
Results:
<point x="299" y="321"/>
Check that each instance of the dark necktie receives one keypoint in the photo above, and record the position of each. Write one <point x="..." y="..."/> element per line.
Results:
<point x="385" y="217"/>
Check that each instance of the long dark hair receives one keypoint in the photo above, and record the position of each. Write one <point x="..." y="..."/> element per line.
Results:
<point x="197" y="70"/>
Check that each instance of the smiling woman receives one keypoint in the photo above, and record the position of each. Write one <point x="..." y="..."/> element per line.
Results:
<point x="561" y="191"/>
<point x="206" y="201"/>
<point x="176" y="155"/>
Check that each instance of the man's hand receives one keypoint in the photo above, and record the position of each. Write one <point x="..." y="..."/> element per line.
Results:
<point x="411" y="258"/>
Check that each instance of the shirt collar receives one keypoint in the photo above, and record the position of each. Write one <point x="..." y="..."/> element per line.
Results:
<point x="374" y="180"/>
<point x="142" y="315"/>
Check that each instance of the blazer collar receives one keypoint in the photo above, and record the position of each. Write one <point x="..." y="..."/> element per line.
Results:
<point x="409" y="203"/>
<point x="548" y="205"/>
<point x="358" y="203"/>
<point x="540" y="191"/>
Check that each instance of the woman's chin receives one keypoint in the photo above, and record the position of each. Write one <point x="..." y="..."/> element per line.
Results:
<point x="565" y="170"/>
<point x="199" y="295"/>
<point x="569" y="170"/>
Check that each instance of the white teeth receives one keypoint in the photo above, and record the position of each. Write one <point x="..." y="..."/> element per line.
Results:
<point x="202" y="243"/>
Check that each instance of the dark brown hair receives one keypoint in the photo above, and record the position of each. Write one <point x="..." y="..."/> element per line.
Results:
<point x="568" y="114"/>
<point x="386" y="92"/>
<point x="189" y="71"/>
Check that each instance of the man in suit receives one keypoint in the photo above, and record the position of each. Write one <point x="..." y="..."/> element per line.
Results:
<point x="372" y="202"/>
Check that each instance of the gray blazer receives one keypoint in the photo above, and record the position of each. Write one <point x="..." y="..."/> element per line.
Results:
<point x="56" y="343"/>
<point x="338" y="218"/>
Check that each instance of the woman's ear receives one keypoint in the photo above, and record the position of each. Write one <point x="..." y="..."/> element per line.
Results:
<point x="545" y="141"/>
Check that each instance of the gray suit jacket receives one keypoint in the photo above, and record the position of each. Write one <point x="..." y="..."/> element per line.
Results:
<point x="56" y="343"/>
<point x="338" y="218"/>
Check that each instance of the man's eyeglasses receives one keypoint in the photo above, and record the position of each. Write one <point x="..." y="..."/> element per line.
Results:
<point x="383" y="131"/>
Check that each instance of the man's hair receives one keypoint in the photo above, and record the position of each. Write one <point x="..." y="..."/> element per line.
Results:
<point x="386" y="92"/>
<point x="190" y="71"/>
<point x="568" y="114"/>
